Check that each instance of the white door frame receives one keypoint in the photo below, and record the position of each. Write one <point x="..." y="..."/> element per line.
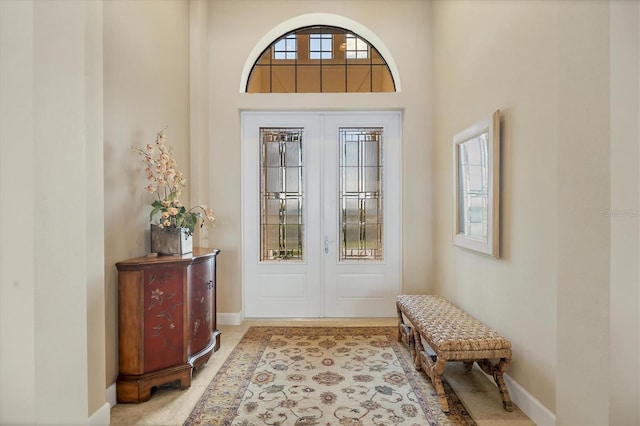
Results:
<point x="304" y="278"/>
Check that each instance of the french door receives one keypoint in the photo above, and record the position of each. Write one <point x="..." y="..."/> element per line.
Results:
<point x="321" y="214"/>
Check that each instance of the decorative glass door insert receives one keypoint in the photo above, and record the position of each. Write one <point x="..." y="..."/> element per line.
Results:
<point x="281" y="194"/>
<point x="360" y="194"/>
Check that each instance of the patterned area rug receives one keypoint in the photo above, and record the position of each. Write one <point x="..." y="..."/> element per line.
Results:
<point x="323" y="376"/>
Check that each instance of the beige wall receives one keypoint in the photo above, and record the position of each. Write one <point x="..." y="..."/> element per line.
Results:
<point x="94" y="183"/>
<point x="624" y="212"/>
<point x="52" y="344"/>
<point x="550" y="68"/>
<point x="582" y="105"/>
<point x="146" y="87"/>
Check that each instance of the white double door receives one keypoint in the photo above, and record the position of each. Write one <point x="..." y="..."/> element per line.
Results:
<point x="332" y="272"/>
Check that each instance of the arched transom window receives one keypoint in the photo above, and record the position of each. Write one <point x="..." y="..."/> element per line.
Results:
<point x="320" y="59"/>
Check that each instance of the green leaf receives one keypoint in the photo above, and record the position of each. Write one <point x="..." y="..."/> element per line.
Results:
<point x="153" y="212"/>
<point x="190" y="221"/>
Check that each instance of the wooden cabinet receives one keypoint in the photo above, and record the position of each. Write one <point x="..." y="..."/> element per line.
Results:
<point x="166" y="320"/>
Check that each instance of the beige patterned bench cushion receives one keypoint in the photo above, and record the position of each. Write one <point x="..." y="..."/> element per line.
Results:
<point x="447" y="327"/>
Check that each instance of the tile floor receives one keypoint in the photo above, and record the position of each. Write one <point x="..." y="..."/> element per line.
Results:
<point x="169" y="406"/>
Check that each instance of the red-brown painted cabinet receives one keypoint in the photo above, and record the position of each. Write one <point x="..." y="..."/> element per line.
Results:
<point x="166" y="320"/>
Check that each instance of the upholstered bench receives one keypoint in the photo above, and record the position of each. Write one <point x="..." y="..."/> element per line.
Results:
<point x="452" y="335"/>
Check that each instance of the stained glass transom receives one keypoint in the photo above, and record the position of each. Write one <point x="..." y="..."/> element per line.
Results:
<point x="320" y="59"/>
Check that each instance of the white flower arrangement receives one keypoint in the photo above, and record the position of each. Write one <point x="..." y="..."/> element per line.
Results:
<point x="167" y="182"/>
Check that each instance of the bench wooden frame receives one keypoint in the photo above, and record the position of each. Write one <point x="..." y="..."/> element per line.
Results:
<point x="453" y="335"/>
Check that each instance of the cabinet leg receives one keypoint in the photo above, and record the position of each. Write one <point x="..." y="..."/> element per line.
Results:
<point x="136" y="389"/>
<point x="185" y="379"/>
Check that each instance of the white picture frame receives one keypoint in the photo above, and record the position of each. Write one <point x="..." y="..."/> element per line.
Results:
<point x="476" y="187"/>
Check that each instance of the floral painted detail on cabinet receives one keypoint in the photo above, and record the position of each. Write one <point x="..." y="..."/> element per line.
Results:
<point x="163" y="330"/>
<point x="200" y="300"/>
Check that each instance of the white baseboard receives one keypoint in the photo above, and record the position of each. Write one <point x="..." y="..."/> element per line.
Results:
<point x="102" y="416"/>
<point x="230" y="318"/>
<point x="112" y="398"/>
<point x="529" y="405"/>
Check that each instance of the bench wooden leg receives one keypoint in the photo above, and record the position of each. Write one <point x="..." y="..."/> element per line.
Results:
<point x="400" y="324"/>
<point x="406" y="334"/>
<point x="404" y="330"/>
<point x="434" y="370"/>
<point x="437" y="382"/>
<point x="497" y="371"/>
<point x="417" y="349"/>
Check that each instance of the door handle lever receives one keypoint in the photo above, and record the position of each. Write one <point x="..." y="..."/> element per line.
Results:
<point x="326" y="244"/>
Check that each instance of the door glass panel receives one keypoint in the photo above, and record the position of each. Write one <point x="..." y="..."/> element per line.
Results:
<point x="360" y="194"/>
<point x="281" y="194"/>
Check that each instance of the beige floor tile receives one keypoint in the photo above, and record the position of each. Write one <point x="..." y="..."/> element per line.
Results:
<point x="481" y="398"/>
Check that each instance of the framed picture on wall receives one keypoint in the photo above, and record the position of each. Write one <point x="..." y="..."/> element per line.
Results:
<point x="476" y="187"/>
